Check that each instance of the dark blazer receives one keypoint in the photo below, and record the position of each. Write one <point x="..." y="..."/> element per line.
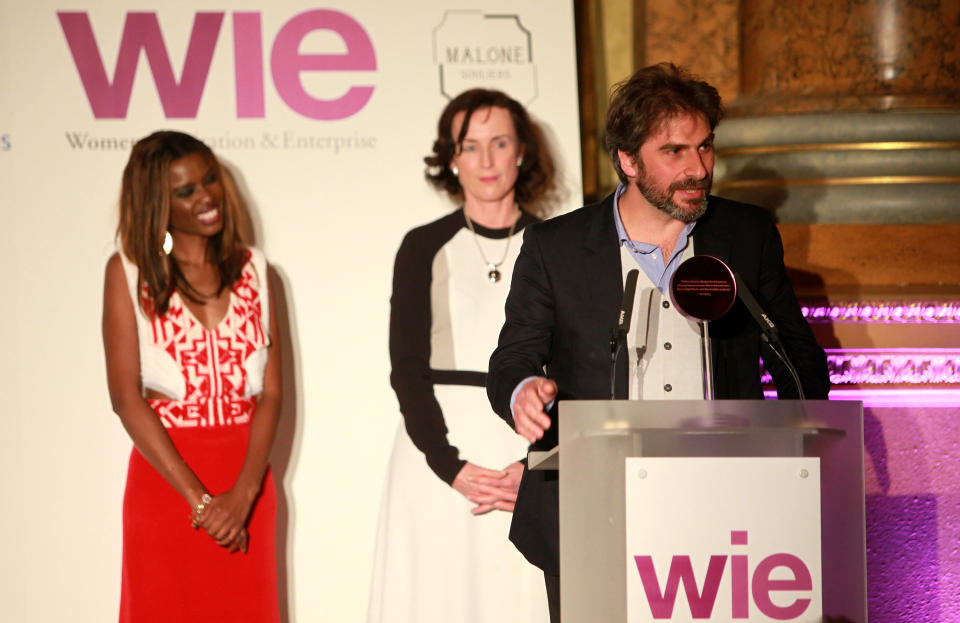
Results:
<point x="565" y="298"/>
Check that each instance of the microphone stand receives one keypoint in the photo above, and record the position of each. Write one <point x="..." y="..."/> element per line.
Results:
<point x="706" y="360"/>
<point x="768" y="331"/>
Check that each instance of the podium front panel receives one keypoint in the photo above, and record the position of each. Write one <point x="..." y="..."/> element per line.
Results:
<point x="758" y="556"/>
<point x="597" y="436"/>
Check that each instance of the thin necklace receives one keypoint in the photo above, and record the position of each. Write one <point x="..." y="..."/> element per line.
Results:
<point x="493" y="274"/>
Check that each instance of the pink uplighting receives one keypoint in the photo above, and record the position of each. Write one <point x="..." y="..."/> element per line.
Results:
<point x="923" y="368"/>
<point x="893" y="312"/>
<point x="892" y="397"/>
<point x="886" y="366"/>
<point x="911" y="400"/>
<point x="894" y="366"/>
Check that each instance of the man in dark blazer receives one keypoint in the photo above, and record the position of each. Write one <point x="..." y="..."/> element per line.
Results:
<point x="567" y="286"/>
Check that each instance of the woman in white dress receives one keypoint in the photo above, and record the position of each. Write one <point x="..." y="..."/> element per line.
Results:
<point x="443" y="552"/>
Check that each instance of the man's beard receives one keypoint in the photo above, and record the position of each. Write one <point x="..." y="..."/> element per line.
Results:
<point x="663" y="199"/>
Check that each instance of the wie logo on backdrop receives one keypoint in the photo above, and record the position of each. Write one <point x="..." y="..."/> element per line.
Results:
<point x="110" y="98"/>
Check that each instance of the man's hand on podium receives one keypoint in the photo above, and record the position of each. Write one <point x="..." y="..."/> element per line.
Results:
<point x="530" y="417"/>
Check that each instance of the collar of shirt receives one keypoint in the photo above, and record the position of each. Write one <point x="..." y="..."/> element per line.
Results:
<point x="648" y="256"/>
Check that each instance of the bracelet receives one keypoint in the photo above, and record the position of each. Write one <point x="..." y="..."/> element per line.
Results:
<point x="198" y="510"/>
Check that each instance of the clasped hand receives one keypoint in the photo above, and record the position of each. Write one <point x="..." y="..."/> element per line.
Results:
<point x="225" y="518"/>
<point x="489" y="489"/>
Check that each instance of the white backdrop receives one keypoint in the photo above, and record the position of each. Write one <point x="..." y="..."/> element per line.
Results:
<point x="329" y="214"/>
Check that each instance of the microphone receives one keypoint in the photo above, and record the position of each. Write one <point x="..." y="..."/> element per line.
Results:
<point x="768" y="330"/>
<point x="766" y="325"/>
<point x="619" y="333"/>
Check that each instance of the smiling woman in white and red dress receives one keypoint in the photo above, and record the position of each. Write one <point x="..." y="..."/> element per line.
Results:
<point x="442" y="550"/>
<point x="195" y="378"/>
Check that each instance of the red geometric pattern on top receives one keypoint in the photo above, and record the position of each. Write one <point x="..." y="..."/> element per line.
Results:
<point x="212" y="361"/>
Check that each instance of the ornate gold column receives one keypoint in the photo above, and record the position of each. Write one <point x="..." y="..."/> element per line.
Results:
<point x="836" y="55"/>
<point x="847" y="122"/>
<point x="609" y="43"/>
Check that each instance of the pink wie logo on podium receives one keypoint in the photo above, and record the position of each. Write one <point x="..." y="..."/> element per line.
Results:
<point x="723" y="539"/>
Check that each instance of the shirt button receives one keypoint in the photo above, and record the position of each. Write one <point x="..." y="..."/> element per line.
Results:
<point x="668" y="387"/>
<point x="666" y="304"/>
<point x="668" y="346"/>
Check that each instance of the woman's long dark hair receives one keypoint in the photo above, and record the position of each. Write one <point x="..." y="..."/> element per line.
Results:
<point x="145" y="216"/>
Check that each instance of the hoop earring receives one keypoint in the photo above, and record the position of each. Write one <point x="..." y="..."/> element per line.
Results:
<point x="167" y="243"/>
<point x="456" y="171"/>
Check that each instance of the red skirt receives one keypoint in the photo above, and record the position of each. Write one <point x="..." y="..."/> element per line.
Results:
<point x="172" y="572"/>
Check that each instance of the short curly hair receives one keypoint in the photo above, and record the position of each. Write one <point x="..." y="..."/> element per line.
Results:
<point x="639" y="105"/>
<point x="536" y="172"/>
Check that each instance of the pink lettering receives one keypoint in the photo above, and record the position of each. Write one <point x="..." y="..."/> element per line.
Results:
<point x="661" y="603"/>
<point x="109" y="100"/>
<point x="762" y="585"/>
<point x="287" y="63"/>
<point x="248" y="65"/>
<point x="739" y="580"/>
<point x="702" y="603"/>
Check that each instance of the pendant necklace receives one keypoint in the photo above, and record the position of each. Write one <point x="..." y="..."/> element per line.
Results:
<point x="493" y="272"/>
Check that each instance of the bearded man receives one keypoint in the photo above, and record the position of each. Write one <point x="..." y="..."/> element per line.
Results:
<point x="567" y="288"/>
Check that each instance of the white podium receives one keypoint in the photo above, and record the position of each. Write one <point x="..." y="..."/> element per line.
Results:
<point x="597" y="438"/>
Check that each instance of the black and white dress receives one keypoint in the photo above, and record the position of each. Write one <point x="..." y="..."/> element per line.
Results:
<point x="434" y="561"/>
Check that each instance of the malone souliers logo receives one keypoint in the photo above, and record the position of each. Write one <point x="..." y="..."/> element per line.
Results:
<point x="743" y="585"/>
<point x="181" y="99"/>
